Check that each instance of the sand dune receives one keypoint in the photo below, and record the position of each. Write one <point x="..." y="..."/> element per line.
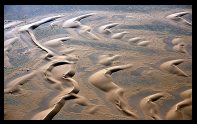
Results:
<point x="176" y="41"/>
<point x="176" y="112"/>
<point x="143" y="43"/>
<point x="38" y="23"/>
<point x="180" y="48"/>
<point x="105" y="29"/>
<point x="119" y="35"/>
<point x="44" y="72"/>
<point x="12" y="24"/>
<point x="56" y="42"/>
<point x="178" y="18"/>
<point x="103" y="81"/>
<point x="74" y="22"/>
<point x="135" y="39"/>
<point x="150" y="108"/>
<point x="107" y="60"/>
<point x="171" y="67"/>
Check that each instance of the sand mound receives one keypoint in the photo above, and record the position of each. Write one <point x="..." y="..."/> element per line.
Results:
<point x="119" y="35"/>
<point x="178" y="18"/>
<point x="103" y="81"/>
<point x="107" y="60"/>
<point x="149" y="107"/>
<point x="105" y="29"/>
<point x="171" y="67"/>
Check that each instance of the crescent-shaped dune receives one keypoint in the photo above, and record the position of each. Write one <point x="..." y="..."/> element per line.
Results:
<point x="171" y="67"/>
<point x="149" y="107"/>
<point x="103" y="81"/>
<point x="85" y="30"/>
<point x="105" y="29"/>
<point x="176" y="112"/>
<point x="38" y="23"/>
<point x="74" y="22"/>
<point x="56" y="42"/>
<point x="107" y="60"/>
<point x="49" y="113"/>
<point x="178" y="18"/>
<point x="65" y="94"/>
<point x="119" y="35"/>
<point x="186" y="94"/>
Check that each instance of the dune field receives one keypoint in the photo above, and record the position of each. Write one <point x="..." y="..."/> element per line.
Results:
<point x="98" y="62"/>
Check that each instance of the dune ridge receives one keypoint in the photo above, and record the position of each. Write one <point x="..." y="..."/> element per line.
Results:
<point x="103" y="81"/>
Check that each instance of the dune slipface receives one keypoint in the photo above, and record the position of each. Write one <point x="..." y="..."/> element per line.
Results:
<point x="75" y="22"/>
<point x="178" y="18"/>
<point x="176" y="112"/>
<point x="171" y="67"/>
<point x="103" y="81"/>
<point x="150" y="108"/>
<point x="59" y="62"/>
<point x="105" y="29"/>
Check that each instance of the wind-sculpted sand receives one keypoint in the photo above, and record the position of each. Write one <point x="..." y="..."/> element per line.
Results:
<point x="177" y="113"/>
<point x="150" y="108"/>
<point x="103" y="81"/>
<point x="107" y="60"/>
<point x="105" y="29"/>
<point x="178" y="18"/>
<point x="119" y="35"/>
<point x="61" y="65"/>
<point x="171" y="67"/>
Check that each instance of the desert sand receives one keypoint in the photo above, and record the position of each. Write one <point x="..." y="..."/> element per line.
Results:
<point x="99" y="65"/>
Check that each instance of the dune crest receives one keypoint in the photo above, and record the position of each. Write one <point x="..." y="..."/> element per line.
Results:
<point x="178" y="18"/>
<point x="103" y="81"/>
<point x="105" y="29"/>
<point x="176" y="112"/>
<point x="107" y="60"/>
<point x="75" y="22"/>
<point x="56" y="42"/>
<point x="149" y="107"/>
<point x="119" y="35"/>
<point x="135" y="39"/>
<point x="143" y="43"/>
<point x="171" y="67"/>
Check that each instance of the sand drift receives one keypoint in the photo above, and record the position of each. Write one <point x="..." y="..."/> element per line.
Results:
<point x="88" y="66"/>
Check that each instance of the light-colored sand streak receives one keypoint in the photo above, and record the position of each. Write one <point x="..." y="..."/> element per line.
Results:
<point x="119" y="35"/>
<point x="171" y="67"/>
<point x="103" y="81"/>
<point x="176" y="112"/>
<point x="56" y="42"/>
<point x="12" y="24"/>
<point x="149" y="107"/>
